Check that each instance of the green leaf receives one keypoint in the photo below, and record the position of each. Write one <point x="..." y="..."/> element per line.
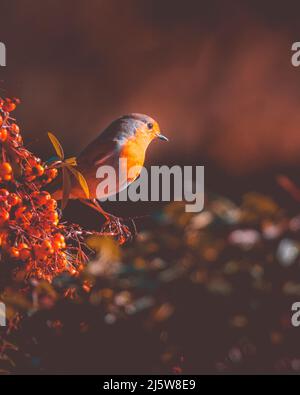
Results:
<point x="82" y="181"/>
<point x="57" y="146"/>
<point x="66" y="187"/>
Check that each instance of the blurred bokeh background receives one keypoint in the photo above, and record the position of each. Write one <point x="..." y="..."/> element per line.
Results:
<point x="218" y="77"/>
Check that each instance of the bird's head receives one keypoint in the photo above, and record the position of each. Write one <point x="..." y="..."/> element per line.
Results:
<point x="140" y="126"/>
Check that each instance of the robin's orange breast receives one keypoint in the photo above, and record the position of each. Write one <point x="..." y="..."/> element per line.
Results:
<point x="134" y="152"/>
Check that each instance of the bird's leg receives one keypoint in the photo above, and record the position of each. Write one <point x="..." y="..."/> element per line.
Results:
<point x="113" y="225"/>
<point x="95" y="206"/>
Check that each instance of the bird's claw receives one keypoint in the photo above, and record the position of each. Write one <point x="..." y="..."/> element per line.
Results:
<point x="114" y="226"/>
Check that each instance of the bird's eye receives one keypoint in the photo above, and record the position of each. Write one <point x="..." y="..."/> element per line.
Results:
<point x="150" y="125"/>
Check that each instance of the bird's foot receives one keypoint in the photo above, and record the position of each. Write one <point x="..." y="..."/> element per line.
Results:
<point x="115" y="226"/>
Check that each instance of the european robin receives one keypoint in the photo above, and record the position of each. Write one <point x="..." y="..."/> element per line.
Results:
<point x="128" y="137"/>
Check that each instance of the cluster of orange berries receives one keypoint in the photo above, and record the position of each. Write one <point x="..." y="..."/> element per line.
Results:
<point x="30" y="233"/>
<point x="34" y="170"/>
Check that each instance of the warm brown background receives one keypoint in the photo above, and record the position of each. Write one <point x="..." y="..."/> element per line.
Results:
<point x="217" y="75"/>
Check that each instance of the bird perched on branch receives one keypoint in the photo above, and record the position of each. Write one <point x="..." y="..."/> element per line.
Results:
<point x="128" y="137"/>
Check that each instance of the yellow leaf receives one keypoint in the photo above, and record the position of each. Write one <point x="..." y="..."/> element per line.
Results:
<point x="57" y="146"/>
<point x="82" y="181"/>
<point x="66" y="187"/>
<point x="71" y="161"/>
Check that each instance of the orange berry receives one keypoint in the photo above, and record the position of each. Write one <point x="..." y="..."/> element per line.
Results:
<point x="47" y="247"/>
<point x="3" y="135"/>
<point x="1" y="121"/>
<point x="21" y="246"/>
<point x="51" y="173"/>
<point x="20" y="211"/>
<point x="7" y="177"/>
<point x="45" y="196"/>
<point x="59" y="241"/>
<point x="4" y="204"/>
<point x="53" y="217"/>
<point x="37" y="170"/>
<point x="18" y="138"/>
<point x="14" y="199"/>
<point x="24" y="251"/>
<point x="25" y="254"/>
<point x="14" y="252"/>
<point x="3" y="194"/>
<point x="5" y="168"/>
<point x="3" y="238"/>
<point x="4" y="216"/>
<point x="15" y="128"/>
<point x="46" y="244"/>
<point x="34" y="195"/>
<point x="59" y="237"/>
<point x="41" y="198"/>
<point x="23" y="214"/>
<point x="8" y="105"/>
<point x="51" y="204"/>
<point x="56" y="245"/>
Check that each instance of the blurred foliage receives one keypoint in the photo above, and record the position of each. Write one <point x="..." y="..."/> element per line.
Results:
<point x="194" y="293"/>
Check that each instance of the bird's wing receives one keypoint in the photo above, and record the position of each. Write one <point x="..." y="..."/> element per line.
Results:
<point x="98" y="152"/>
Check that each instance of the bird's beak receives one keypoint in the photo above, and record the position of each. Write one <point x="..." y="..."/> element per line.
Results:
<point x="162" y="137"/>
